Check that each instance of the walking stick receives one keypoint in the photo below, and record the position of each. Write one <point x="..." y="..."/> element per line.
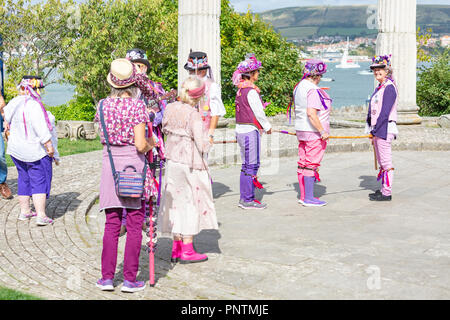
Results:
<point x="151" y="225"/>
<point x="374" y="156"/>
<point x="331" y="137"/>
<point x="152" y="243"/>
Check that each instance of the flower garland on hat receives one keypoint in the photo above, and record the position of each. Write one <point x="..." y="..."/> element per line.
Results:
<point x="314" y="68"/>
<point x="245" y="67"/>
<point x="29" y="86"/>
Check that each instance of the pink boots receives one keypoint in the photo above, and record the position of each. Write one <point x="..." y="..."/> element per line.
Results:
<point x="185" y="253"/>
<point x="188" y="254"/>
<point x="176" y="251"/>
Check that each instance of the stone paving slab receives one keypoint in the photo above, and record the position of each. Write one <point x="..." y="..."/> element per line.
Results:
<point x="350" y="249"/>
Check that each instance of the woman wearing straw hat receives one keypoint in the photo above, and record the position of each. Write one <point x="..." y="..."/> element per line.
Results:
<point x="125" y="119"/>
<point x="251" y="121"/>
<point x="150" y="92"/>
<point x="187" y="205"/>
<point x="30" y="147"/>
<point x="382" y="124"/>
<point x="312" y="111"/>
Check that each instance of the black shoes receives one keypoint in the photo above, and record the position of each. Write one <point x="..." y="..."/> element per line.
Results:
<point x="378" y="196"/>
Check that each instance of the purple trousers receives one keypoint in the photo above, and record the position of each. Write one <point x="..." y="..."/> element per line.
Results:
<point x="250" y="145"/>
<point x="34" y="177"/>
<point x="135" y="218"/>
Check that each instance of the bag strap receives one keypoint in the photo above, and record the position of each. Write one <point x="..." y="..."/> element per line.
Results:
<point x="105" y="134"/>
<point x="108" y="147"/>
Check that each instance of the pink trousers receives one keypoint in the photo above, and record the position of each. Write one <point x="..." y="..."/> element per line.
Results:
<point x="135" y="219"/>
<point x="384" y="156"/>
<point x="310" y="154"/>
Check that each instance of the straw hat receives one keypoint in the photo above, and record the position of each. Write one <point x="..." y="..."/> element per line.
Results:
<point x="122" y="74"/>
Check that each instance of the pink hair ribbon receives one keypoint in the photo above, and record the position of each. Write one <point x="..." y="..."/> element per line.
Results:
<point x="197" y="93"/>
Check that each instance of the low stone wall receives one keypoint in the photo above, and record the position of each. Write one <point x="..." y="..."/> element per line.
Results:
<point x="276" y="146"/>
<point x="76" y="130"/>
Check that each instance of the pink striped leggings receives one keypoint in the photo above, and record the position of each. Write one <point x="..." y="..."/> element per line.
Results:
<point x="384" y="157"/>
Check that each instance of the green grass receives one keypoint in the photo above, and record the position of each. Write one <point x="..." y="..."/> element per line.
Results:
<point x="9" y="294"/>
<point x="67" y="147"/>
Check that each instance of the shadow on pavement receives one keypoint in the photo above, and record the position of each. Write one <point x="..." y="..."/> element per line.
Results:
<point x="207" y="241"/>
<point x="260" y="193"/>
<point x="219" y="189"/>
<point x="369" y="183"/>
<point x="63" y="200"/>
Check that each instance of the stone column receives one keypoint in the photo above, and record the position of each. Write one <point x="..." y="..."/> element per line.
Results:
<point x="199" y="30"/>
<point x="397" y="36"/>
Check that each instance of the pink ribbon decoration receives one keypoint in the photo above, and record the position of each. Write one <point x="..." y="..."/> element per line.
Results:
<point x="384" y="177"/>
<point x="197" y="93"/>
<point x="36" y="98"/>
<point x="316" y="175"/>
<point x="257" y="183"/>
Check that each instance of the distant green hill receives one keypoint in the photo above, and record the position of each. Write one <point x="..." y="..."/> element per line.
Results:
<point x="301" y="22"/>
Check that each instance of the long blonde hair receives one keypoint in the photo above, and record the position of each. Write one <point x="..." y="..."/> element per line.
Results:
<point x="190" y="83"/>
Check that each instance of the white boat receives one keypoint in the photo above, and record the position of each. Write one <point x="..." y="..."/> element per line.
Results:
<point x="365" y="72"/>
<point x="345" y="62"/>
<point x="327" y="79"/>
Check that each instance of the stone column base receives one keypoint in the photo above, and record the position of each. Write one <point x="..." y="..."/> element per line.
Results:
<point x="408" y="117"/>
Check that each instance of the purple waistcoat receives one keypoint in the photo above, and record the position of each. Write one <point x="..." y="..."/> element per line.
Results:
<point x="244" y="113"/>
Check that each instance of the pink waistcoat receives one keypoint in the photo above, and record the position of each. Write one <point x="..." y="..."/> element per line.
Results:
<point x="376" y="103"/>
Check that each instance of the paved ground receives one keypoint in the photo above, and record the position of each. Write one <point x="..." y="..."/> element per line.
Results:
<point x="350" y="249"/>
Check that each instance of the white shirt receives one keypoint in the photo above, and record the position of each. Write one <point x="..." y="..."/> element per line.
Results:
<point x="52" y="119"/>
<point x="27" y="148"/>
<point x="258" y="110"/>
<point x="215" y="97"/>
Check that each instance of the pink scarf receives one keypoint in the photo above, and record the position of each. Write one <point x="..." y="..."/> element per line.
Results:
<point x="36" y="97"/>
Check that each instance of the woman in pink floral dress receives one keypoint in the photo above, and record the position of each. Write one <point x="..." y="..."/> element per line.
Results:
<point x="125" y="119"/>
<point x="187" y="203"/>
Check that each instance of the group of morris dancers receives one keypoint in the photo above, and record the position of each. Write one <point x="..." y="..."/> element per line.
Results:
<point x="142" y="119"/>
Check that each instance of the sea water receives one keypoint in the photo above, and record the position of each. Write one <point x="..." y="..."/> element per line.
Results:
<point x="348" y="88"/>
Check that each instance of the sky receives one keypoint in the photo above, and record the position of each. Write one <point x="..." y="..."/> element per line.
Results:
<point x="263" y="5"/>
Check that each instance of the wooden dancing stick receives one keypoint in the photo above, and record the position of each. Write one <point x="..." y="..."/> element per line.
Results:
<point x="374" y="156"/>
<point x="225" y="141"/>
<point x="350" y="137"/>
<point x="331" y="137"/>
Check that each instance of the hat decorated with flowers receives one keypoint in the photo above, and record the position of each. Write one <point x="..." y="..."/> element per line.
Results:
<point x="197" y="60"/>
<point x="245" y="67"/>
<point x="314" y="67"/>
<point x="35" y="82"/>
<point x="249" y="64"/>
<point x="139" y="56"/>
<point x="381" y="61"/>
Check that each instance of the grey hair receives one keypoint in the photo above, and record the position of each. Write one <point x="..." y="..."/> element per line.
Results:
<point x="389" y="71"/>
<point x="191" y="83"/>
<point x="132" y="90"/>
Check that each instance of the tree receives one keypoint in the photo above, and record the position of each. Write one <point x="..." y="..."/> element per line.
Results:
<point x="422" y="41"/>
<point x="433" y="86"/>
<point x="109" y="28"/>
<point x="241" y="34"/>
<point x="36" y="37"/>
